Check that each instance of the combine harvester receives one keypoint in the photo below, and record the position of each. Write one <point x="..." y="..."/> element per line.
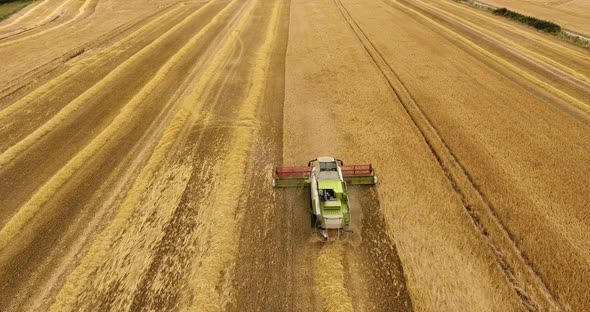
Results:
<point x="327" y="176"/>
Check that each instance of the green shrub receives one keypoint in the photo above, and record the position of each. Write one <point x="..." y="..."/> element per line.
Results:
<point x="529" y="20"/>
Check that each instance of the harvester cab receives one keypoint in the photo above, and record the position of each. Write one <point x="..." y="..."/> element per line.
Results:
<point x="327" y="178"/>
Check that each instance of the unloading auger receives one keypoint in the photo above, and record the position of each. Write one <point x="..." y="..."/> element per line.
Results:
<point x="327" y="177"/>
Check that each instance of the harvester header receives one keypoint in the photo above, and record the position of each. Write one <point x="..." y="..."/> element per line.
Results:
<point x="300" y="176"/>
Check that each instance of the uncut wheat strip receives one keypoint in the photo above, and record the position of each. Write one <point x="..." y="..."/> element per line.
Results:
<point x="100" y="247"/>
<point x="555" y="91"/>
<point x="207" y="272"/>
<point x="127" y="115"/>
<point x="68" y="111"/>
<point x="61" y="79"/>
<point x="526" y="53"/>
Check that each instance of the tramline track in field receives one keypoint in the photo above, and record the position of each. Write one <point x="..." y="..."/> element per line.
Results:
<point x="508" y="256"/>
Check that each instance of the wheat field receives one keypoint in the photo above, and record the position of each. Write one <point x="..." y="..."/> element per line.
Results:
<point x="138" y="140"/>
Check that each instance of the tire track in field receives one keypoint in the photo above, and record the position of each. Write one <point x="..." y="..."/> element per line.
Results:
<point x="100" y="249"/>
<point x="111" y="155"/>
<point x="25" y="14"/>
<point x="172" y="246"/>
<point x="28" y="210"/>
<point x="53" y="15"/>
<point x="46" y="157"/>
<point x="56" y="82"/>
<point x="28" y="77"/>
<point x="530" y="34"/>
<point x="554" y="67"/>
<point x="544" y="85"/>
<point x="526" y="283"/>
<point x="108" y="154"/>
<point x="505" y="63"/>
<point x="80" y="234"/>
<point x="19" y="118"/>
<point x="111" y="51"/>
<point x="26" y="29"/>
<point x="71" y="108"/>
<point x="168" y="270"/>
<point x="167" y="264"/>
<point x="210" y="269"/>
<point x="261" y="277"/>
<point x="85" y="10"/>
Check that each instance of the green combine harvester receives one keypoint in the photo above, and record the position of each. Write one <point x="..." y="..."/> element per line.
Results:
<point x="327" y="177"/>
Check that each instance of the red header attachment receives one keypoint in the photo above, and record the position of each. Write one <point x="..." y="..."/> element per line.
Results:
<point x="357" y="170"/>
<point x="359" y="174"/>
<point x="293" y="172"/>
